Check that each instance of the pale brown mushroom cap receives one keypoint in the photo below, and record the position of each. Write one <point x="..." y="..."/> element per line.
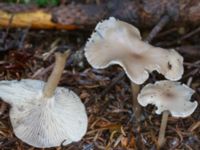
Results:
<point x="168" y="96"/>
<point x="117" y="42"/>
<point x="44" y="122"/>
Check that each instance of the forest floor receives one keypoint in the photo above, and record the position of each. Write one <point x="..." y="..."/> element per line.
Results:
<point x="28" y="53"/>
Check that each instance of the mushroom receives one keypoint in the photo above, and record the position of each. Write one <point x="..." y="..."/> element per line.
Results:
<point x="117" y="42"/>
<point x="168" y="96"/>
<point x="42" y="114"/>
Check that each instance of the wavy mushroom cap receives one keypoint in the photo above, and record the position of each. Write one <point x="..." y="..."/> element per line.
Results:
<point x="168" y="96"/>
<point x="43" y="122"/>
<point x="117" y="42"/>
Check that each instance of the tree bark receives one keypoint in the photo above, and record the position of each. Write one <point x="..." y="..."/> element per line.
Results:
<point x="143" y="13"/>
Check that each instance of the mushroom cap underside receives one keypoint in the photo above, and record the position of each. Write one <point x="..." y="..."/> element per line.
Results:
<point x="42" y="122"/>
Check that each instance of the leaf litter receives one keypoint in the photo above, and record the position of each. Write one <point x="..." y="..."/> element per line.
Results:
<point x="112" y="124"/>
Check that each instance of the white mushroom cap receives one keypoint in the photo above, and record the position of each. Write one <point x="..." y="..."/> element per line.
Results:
<point x="168" y="96"/>
<point x="43" y="122"/>
<point x="117" y="42"/>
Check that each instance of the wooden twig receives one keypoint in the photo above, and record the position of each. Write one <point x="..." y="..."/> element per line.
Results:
<point x="113" y="83"/>
<point x="42" y="71"/>
<point x="164" y="20"/>
<point x="21" y="43"/>
<point x="189" y="50"/>
<point x="8" y="28"/>
<point x="188" y="35"/>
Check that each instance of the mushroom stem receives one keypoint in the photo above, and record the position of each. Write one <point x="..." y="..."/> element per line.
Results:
<point x="136" y="105"/>
<point x="161" y="137"/>
<point x="53" y="80"/>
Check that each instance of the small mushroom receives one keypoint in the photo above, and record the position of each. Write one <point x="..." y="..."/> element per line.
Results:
<point x="117" y="42"/>
<point x="42" y="114"/>
<point x="168" y="96"/>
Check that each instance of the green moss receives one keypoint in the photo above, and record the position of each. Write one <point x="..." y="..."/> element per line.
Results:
<point x="41" y="3"/>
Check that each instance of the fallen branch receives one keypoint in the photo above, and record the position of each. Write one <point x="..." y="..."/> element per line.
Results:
<point x="143" y="13"/>
<point x="190" y="51"/>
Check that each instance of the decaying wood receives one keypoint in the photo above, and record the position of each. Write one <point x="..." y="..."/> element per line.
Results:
<point x="36" y="19"/>
<point x="190" y="51"/>
<point x="140" y="12"/>
<point x="143" y="13"/>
